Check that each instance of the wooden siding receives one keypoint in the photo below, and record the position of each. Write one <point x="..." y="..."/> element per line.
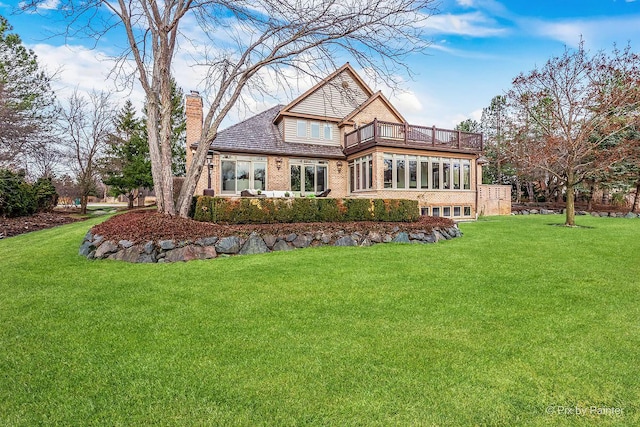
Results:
<point x="333" y="99"/>
<point x="291" y="132"/>
<point x="281" y="129"/>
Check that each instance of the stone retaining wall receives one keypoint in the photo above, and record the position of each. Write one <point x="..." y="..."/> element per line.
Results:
<point x="96" y="247"/>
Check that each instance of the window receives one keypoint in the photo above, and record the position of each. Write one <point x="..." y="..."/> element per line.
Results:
<point x="446" y="211"/>
<point x="467" y="211"/>
<point x="456" y="211"/>
<point x="388" y="171"/>
<point x="424" y="172"/>
<point x="456" y="174"/>
<point x="302" y="128"/>
<point x="435" y="211"/>
<point x="435" y="173"/>
<point x="400" y="172"/>
<point x="327" y="131"/>
<point x="315" y="130"/>
<point x="352" y="178"/>
<point x="466" y="175"/>
<point x="446" y="175"/>
<point x="424" y="211"/>
<point x="413" y="172"/>
<point x="361" y="170"/>
<point x="242" y="173"/>
<point x="308" y="176"/>
<point x="296" y="178"/>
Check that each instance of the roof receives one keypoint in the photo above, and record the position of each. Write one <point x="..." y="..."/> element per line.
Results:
<point x="346" y="67"/>
<point x="259" y="135"/>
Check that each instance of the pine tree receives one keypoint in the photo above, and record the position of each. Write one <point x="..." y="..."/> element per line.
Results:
<point x="26" y="99"/>
<point x="127" y="167"/>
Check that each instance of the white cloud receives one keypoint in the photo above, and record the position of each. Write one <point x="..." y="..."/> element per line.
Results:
<point x="596" y="33"/>
<point x="43" y="6"/>
<point x="474" y="24"/>
<point x="84" y="69"/>
<point x="466" y="3"/>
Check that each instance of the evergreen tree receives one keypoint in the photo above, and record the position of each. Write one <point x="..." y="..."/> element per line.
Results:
<point x="178" y="131"/>
<point x="26" y="99"/>
<point x="127" y="168"/>
<point x="469" y="125"/>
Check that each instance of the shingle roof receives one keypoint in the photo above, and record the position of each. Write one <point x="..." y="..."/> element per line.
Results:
<point x="258" y="135"/>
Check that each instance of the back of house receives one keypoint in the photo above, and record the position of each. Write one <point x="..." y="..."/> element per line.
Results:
<point x="343" y="137"/>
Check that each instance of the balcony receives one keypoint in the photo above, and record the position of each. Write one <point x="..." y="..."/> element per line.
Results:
<point x="403" y="135"/>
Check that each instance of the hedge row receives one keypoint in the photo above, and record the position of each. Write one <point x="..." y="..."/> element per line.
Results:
<point x="20" y="198"/>
<point x="269" y="211"/>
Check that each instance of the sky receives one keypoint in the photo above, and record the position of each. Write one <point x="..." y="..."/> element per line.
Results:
<point x="477" y="48"/>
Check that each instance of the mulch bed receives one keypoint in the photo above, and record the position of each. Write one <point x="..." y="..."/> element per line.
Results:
<point x="143" y="225"/>
<point x="24" y="224"/>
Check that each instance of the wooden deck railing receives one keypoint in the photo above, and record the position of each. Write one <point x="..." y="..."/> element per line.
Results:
<point x="414" y="136"/>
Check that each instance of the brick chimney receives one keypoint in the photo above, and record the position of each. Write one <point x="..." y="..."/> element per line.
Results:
<point x="193" y="107"/>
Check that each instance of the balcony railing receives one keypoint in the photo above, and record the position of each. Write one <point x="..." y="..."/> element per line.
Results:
<point x="403" y="134"/>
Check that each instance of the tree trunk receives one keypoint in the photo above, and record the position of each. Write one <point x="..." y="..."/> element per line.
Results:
<point x="636" y="199"/>
<point x="84" y="200"/>
<point x="570" y="211"/>
<point x="530" y="192"/>
<point x="130" y="198"/>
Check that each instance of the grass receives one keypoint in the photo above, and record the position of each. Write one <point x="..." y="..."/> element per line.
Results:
<point x="490" y="329"/>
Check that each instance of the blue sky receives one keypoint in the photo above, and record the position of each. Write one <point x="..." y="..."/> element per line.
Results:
<point x="478" y="47"/>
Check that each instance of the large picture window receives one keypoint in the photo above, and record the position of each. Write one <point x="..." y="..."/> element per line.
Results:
<point x="309" y="176"/>
<point x="242" y="173"/>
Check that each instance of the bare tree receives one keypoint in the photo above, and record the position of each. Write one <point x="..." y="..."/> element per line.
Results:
<point x="248" y="40"/>
<point x="568" y="111"/>
<point x="85" y="126"/>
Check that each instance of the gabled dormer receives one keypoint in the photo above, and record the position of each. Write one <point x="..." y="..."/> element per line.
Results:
<point x="313" y="117"/>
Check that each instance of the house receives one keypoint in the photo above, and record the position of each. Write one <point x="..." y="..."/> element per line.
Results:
<point x="343" y="136"/>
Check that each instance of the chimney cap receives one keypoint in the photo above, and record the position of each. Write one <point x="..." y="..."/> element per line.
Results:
<point x="194" y="93"/>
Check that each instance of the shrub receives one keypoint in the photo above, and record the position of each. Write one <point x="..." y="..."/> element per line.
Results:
<point x="329" y="210"/>
<point x="19" y="198"/>
<point x="304" y="210"/>
<point x="266" y="211"/>
<point x="45" y="194"/>
<point x="358" y="210"/>
<point x="203" y="210"/>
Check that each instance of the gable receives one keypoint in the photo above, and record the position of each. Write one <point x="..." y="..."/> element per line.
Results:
<point x="336" y="98"/>
<point x="379" y="109"/>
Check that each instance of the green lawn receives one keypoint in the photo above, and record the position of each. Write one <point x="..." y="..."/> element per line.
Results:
<point x="490" y="329"/>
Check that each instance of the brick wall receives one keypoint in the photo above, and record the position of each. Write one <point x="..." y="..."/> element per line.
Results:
<point x="376" y="110"/>
<point x="193" y="112"/>
<point x="494" y="199"/>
